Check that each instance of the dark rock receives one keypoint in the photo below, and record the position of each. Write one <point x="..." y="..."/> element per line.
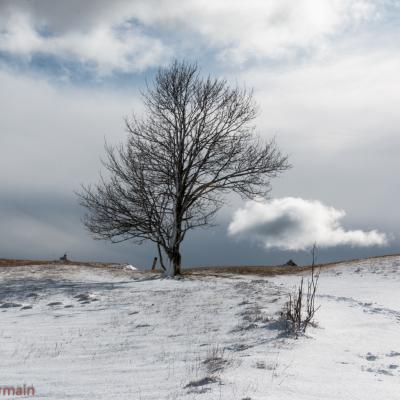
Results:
<point x="64" y="257"/>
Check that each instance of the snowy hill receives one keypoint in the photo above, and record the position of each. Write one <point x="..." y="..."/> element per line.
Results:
<point x="98" y="333"/>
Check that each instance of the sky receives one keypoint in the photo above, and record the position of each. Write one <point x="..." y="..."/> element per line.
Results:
<point x="325" y="76"/>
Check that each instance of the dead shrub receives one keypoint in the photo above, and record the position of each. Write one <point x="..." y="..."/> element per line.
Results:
<point x="215" y="360"/>
<point x="299" y="311"/>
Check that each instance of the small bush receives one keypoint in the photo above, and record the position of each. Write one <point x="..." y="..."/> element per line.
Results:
<point x="215" y="360"/>
<point x="299" y="310"/>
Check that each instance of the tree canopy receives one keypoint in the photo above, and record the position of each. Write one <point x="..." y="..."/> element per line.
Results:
<point x="194" y="143"/>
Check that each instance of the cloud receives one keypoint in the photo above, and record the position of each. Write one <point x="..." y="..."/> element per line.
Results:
<point x="295" y="224"/>
<point x="129" y="36"/>
<point x="103" y="49"/>
<point x="52" y="137"/>
<point x="333" y="102"/>
<point x="274" y="29"/>
<point x="334" y="109"/>
<point x="337" y="118"/>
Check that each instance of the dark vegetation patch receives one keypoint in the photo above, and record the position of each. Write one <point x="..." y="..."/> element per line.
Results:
<point x="8" y="262"/>
<point x="202" y="382"/>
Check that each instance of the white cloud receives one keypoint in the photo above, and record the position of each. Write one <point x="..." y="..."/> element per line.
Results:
<point x="259" y="29"/>
<point x="104" y="48"/>
<point x="115" y="35"/>
<point x="295" y="224"/>
<point x="275" y="29"/>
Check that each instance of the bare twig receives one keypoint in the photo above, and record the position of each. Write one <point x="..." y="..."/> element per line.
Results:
<point x="300" y="309"/>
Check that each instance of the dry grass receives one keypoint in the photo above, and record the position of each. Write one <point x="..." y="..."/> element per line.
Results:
<point x="245" y="270"/>
<point x="263" y="270"/>
<point x="269" y="270"/>
<point x="7" y="262"/>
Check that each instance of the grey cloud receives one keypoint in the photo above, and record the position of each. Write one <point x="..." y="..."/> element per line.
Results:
<point x="63" y="16"/>
<point x="52" y="138"/>
<point x="45" y="225"/>
<point x="277" y="228"/>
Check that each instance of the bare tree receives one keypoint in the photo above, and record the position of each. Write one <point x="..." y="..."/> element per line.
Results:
<point x="194" y="144"/>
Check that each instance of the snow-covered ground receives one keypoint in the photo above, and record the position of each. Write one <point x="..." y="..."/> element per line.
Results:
<point x="92" y="333"/>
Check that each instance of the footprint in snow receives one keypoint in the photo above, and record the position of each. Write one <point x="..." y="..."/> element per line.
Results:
<point x="82" y="296"/>
<point x="55" y="303"/>
<point x="85" y="298"/>
<point x="388" y="369"/>
<point x="10" y="305"/>
<point x="371" y="357"/>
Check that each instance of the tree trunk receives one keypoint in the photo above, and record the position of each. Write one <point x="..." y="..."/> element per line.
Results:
<point x="175" y="256"/>
<point x="176" y="261"/>
<point x="161" y="257"/>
